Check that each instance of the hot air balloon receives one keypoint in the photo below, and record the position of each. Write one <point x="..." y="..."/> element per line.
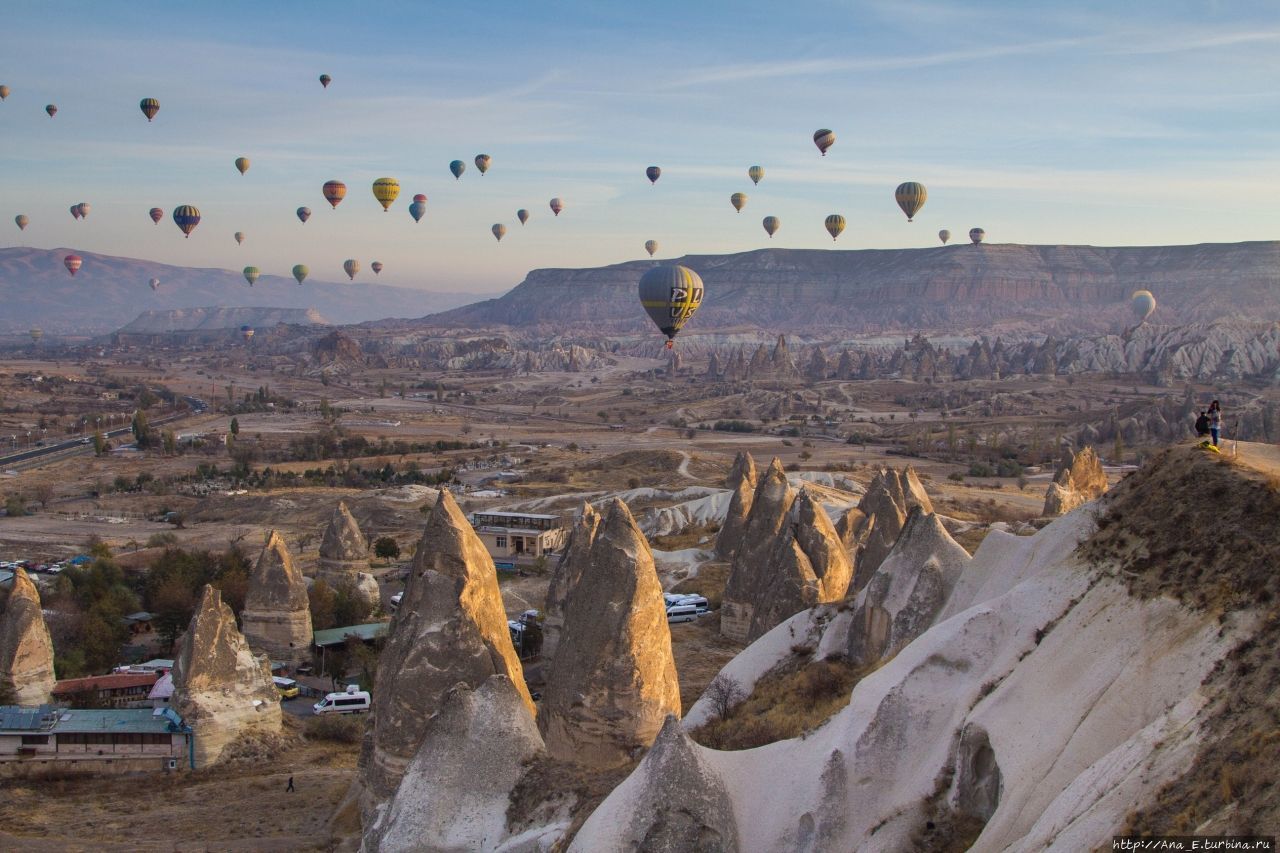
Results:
<point x="72" y="263"/>
<point x="977" y="235"/>
<point x="22" y="220"/>
<point x="251" y="275"/>
<point x="1143" y="304"/>
<point x="246" y="332"/>
<point x="911" y="197"/>
<point x="4" y="92"/>
<point x="239" y="237"/>
<point x="670" y="296"/>
<point x="36" y="335"/>
<point x="156" y="215"/>
<point x="82" y="210"/>
<point x="154" y="284"/>
<point x="498" y="231"/>
<point x="376" y="266"/>
<point x="824" y="139"/>
<point x="835" y="225"/>
<point x="756" y="174"/>
<point x="386" y="190"/>
<point x="325" y="80"/>
<point x="522" y="215"/>
<point x="482" y="162"/>
<point x="242" y="163"/>
<point x="300" y="272"/>
<point x="75" y="211"/>
<point x="457" y="167"/>
<point x="52" y="110"/>
<point x="334" y="192"/>
<point x="186" y="217"/>
<point x="149" y="107"/>
<point x="556" y="206"/>
<point x="771" y="225"/>
<point x="653" y="173"/>
<point x="304" y="213"/>
<point x="418" y="208"/>
<point x="651" y="246"/>
<point x="738" y="200"/>
<point x="351" y="266"/>
<point x="944" y="235"/>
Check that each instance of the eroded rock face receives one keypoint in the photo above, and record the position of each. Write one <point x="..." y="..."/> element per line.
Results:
<point x="573" y="564"/>
<point x="455" y="792"/>
<point x="1078" y="480"/>
<point x="908" y="590"/>
<point x="344" y="558"/>
<point x="890" y="497"/>
<point x="450" y="628"/>
<point x="26" y="649"/>
<point x="742" y="482"/>
<point x="277" y="614"/>
<point x="613" y="681"/>
<point x="789" y="559"/>
<point x="220" y="687"/>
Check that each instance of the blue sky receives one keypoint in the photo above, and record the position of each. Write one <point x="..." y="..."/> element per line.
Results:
<point x="1103" y="123"/>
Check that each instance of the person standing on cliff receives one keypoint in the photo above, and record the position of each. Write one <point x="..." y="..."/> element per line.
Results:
<point x="1215" y="422"/>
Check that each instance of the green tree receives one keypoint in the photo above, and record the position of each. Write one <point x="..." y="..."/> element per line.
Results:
<point x="321" y="597"/>
<point x="1117" y="450"/>
<point x="235" y="426"/>
<point x="386" y="548"/>
<point x="325" y="411"/>
<point x="170" y="442"/>
<point x="99" y="443"/>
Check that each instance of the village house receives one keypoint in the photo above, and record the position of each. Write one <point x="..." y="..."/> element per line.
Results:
<point x="117" y="690"/>
<point x="41" y="738"/>
<point x="508" y="535"/>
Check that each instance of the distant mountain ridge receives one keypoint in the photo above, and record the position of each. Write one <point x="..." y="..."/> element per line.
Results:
<point x="1052" y="289"/>
<point x="216" y="318"/>
<point x="109" y="292"/>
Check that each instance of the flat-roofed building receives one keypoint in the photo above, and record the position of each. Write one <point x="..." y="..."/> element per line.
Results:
<point x="519" y="534"/>
<point x="117" y="690"/>
<point x="36" y="739"/>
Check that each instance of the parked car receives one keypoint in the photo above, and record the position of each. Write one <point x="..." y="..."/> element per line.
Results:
<point x="287" y="686"/>
<point x="352" y="701"/>
<point x="395" y="601"/>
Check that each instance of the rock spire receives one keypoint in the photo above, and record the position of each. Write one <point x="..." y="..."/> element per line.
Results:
<point x="344" y="558"/>
<point x="572" y="566"/>
<point x="277" y="614"/>
<point x="26" y="649"/>
<point x="742" y="482"/>
<point x="1078" y="479"/>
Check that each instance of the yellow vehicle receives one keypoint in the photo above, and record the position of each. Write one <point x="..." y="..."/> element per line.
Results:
<point x="287" y="686"/>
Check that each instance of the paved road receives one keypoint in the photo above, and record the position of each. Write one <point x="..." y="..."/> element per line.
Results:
<point x="78" y="443"/>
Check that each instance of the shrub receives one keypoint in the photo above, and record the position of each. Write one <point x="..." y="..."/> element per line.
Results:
<point x="335" y="727"/>
<point x="957" y="476"/>
<point x="162" y="540"/>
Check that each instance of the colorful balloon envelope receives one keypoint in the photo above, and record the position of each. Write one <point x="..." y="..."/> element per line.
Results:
<point x="417" y="210"/>
<point x="771" y="225"/>
<point x="304" y="213"/>
<point x="420" y="197"/>
<point x="149" y="107"/>
<point x="1143" y="305"/>
<point x="52" y="110"/>
<point x="651" y="246"/>
<point x="351" y="266"/>
<point x="977" y="235"/>
<point x="738" y="200"/>
<point x="482" y="162"/>
<point x="835" y="225"/>
<point x="75" y="211"/>
<point x="300" y="272"/>
<point x="154" y="284"/>
<point x="22" y="220"/>
<point x="246" y="332"/>
<point x="186" y="217"/>
<point x="239" y="237"/>
<point x="457" y="167"/>
<point x="325" y="80"/>
<point x="499" y="231"/>
<point x="376" y="266"/>
<point x="670" y="296"/>
<point x="82" y="210"/>
<point x="4" y="92"/>
<point x="911" y="197"/>
<point x="73" y="263"/>
<point x="334" y="192"/>
<point x="36" y="335"/>
<point x="156" y="215"/>
<point x="556" y="206"/>
<point x="522" y="215"/>
<point x="944" y="235"/>
<point x="653" y="173"/>
<point x="251" y="275"/>
<point x="824" y="139"/>
<point x="756" y="174"/>
<point x="386" y="190"/>
<point x="242" y="164"/>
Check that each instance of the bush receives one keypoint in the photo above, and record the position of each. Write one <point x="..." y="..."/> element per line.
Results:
<point x="386" y="548"/>
<point x="980" y="469"/>
<point x="337" y="728"/>
<point x="162" y="540"/>
<point x="957" y="476"/>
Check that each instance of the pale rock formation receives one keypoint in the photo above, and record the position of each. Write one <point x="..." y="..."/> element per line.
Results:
<point x="675" y="801"/>
<point x="742" y="483"/>
<point x="908" y="590"/>
<point x="854" y="529"/>
<point x="573" y="564"/>
<point x="613" y="681"/>
<point x="455" y="792"/>
<point x="789" y="558"/>
<point x="220" y="688"/>
<point x="889" y="498"/>
<point x="450" y="627"/>
<point x="1078" y="480"/>
<point x="344" y="558"/>
<point x="26" y="649"/>
<point x="277" y="613"/>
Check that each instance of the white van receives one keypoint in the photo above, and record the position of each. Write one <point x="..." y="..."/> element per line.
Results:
<point x="353" y="701"/>
<point x="681" y="613"/>
<point x="699" y="602"/>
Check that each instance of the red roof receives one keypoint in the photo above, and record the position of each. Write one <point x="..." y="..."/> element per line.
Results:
<point x="115" y="681"/>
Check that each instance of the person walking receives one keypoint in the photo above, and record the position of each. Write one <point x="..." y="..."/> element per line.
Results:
<point x="1215" y="422"/>
<point x="289" y="789"/>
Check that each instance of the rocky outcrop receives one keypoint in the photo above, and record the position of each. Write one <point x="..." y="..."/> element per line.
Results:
<point x="220" y="688"/>
<point x="891" y="495"/>
<point x="214" y="319"/>
<point x="790" y="558"/>
<point x="573" y="564"/>
<point x="277" y="613"/>
<point x="1078" y="479"/>
<point x="344" y="558"/>
<point x="742" y="482"/>
<point x="907" y="591"/>
<point x="450" y="627"/>
<point x="675" y="801"/>
<point x="613" y="681"/>
<point x="26" y="649"/>
<point x="456" y="790"/>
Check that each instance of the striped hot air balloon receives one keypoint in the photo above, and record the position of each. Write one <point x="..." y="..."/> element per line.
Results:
<point x="499" y="231"/>
<point x="186" y="217"/>
<point x="22" y="220"/>
<point x="835" y="226"/>
<point x="300" y="272"/>
<point x="303" y="214"/>
<point x="334" y="192"/>
<point x="239" y="238"/>
<point x="651" y="246"/>
<point x="246" y="332"/>
<point x="36" y="335"/>
<point x="52" y="110"/>
<point x="82" y="210"/>
<point x="738" y="200"/>
<point x="242" y="164"/>
<point x="376" y="266"/>
<point x="351" y="266"/>
<point x="670" y="296"/>
<point x="653" y="173"/>
<point x="75" y="211"/>
<point x="251" y="275"/>
<point x="771" y="225"/>
<point x="156" y="215"/>
<point x="325" y="80"/>
<point x="149" y="107"/>
<point x="1143" y="305"/>
<point x="911" y="197"/>
<point x="386" y="191"/>
<point x="756" y="174"/>
<point x="556" y="206"/>
<point x="824" y="139"/>
<point x="977" y="235"/>
<point x="482" y="162"/>
<point x="73" y="263"/>
<point x="944" y="235"/>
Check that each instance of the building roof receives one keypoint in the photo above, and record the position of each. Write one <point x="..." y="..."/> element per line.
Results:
<point x="523" y="531"/>
<point x="115" y="681"/>
<point x="338" y="636"/>
<point x="29" y="718"/>
<point x="140" y="616"/>
<point x="115" y="721"/>
<point x="163" y="688"/>
<point x="539" y="515"/>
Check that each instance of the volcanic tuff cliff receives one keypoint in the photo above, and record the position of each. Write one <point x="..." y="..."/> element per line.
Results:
<point x="742" y="483"/>
<point x="26" y="649"/>
<point x="1078" y="480"/>
<point x="159" y="322"/>
<point x="344" y="558"/>
<point x="277" y="614"/>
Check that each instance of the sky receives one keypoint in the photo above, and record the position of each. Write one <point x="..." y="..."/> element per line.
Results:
<point x="1104" y="123"/>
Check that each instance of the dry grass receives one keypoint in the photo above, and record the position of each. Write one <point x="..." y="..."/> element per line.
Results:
<point x="700" y="653"/>
<point x="709" y="583"/>
<point x="691" y="537"/>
